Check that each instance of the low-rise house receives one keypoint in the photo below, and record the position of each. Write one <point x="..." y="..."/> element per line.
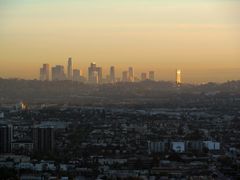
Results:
<point x="178" y="147"/>
<point x="212" y="145"/>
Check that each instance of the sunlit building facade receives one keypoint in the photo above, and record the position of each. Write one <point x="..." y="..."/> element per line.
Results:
<point x="178" y="77"/>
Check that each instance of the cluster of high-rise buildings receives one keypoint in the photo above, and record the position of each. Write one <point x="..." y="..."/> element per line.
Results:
<point x="95" y="74"/>
<point x="58" y="73"/>
<point x="128" y="76"/>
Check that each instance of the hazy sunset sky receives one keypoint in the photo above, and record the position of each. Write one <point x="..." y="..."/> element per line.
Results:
<point x="201" y="37"/>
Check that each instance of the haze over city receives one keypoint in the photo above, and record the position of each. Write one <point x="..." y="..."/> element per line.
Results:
<point x="119" y="89"/>
<point x="199" y="37"/>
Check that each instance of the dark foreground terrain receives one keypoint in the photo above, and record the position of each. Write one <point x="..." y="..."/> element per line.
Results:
<point x="147" y="130"/>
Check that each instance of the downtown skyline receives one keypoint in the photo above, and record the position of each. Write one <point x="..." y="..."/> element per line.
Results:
<point x="199" y="37"/>
<point x="120" y="89"/>
<point x="94" y="74"/>
<point x="159" y="73"/>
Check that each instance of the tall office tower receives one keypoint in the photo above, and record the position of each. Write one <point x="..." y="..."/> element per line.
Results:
<point x="81" y="72"/>
<point x="125" y="76"/>
<point x="54" y="74"/>
<point x="143" y="76"/>
<point x="99" y="72"/>
<point x="93" y="65"/>
<point x="130" y="74"/>
<point x="58" y="73"/>
<point x="95" y="77"/>
<point x="152" y="75"/>
<point x="76" y="75"/>
<point x="44" y="72"/>
<point x="94" y="74"/>
<point x="43" y="139"/>
<point x="178" y="77"/>
<point x="5" y="138"/>
<point x="112" y="74"/>
<point x="91" y="70"/>
<point x="70" y="70"/>
<point x="82" y="78"/>
<point x="41" y="76"/>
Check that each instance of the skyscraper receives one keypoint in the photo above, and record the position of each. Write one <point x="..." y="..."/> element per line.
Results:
<point x="58" y="73"/>
<point x="41" y="76"/>
<point x="112" y="74"/>
<point x="125" y="76"/>
<point x="43" y="139"/>
<point x="5" y="138"/>
<point x="130" y="74"/>
<point x="91" y="70"/>
<point x="44" y="72"/>
<point x="94" y="74"/>
<point x="152" y="75"/>
<point x="81" y="72"/>
<point x="70" y="69"/>
<point x="95" y="77"/>
<point x="99" y="72"/>
<point x="178" y="77"/>
<point x="143" y="76"/>
<point x="76" y="75"/>
<point x="82" y="78"/>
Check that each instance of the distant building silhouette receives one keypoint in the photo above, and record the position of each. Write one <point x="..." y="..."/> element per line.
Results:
<point x="151" y="75"/>
<point x="76" y="75"/>
<point x="70" y="70"/>
<point x="112" y="74"/>
<point x="91" y="70"/>
<point x="94" y="74"/>
<point x="99" y="74"/>
<point x="143" y="76"/>
<point x="130" y="74"/>
<point x="125" y="76"/>
<point x="58" y="73"/>
<point x="44" y="72"/>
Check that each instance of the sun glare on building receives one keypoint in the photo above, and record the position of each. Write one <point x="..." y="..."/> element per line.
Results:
<point x="178" y="77"/>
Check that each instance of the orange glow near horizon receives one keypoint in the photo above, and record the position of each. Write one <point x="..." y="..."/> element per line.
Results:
<point x="199" y="37"/>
